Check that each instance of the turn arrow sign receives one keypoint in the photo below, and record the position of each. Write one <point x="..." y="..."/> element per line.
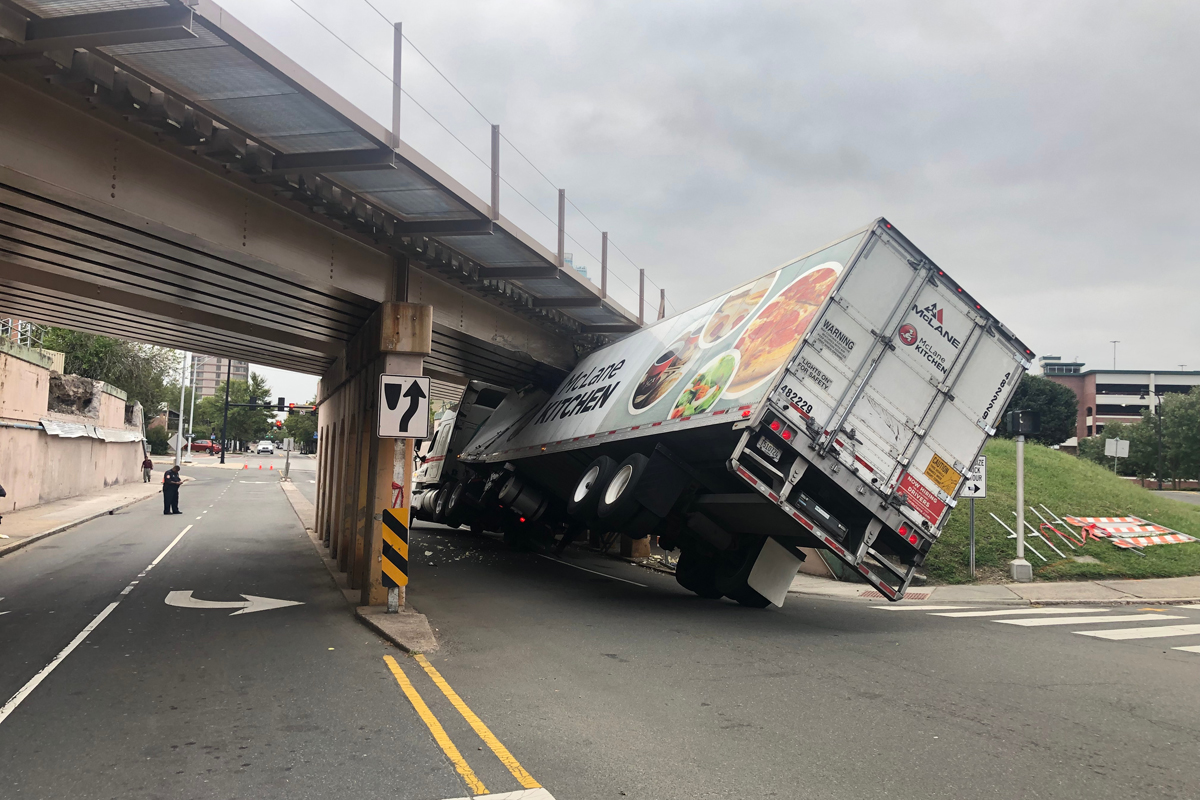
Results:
<point x="247" y="606"/>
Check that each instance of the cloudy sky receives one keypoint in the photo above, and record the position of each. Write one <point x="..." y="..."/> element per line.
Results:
<point x="1047" y="155"/>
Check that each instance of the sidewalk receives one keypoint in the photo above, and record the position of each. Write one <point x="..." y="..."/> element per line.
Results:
<point x="23" y="527"/>
<point x="1120" y="592"/>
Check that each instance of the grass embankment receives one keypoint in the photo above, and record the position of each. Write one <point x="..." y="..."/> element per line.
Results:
<point x="1069" y="487"/>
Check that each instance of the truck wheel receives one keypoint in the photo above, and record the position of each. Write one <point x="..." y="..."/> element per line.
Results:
<point x="439" y="503"/>
<point x="457" y="508"/>
<point x="697" y="574"/>
<point x="590" y="487"/>
<point x="617" y="505"/>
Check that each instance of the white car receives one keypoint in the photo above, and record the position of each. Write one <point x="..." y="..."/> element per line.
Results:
<point x="266" y="447"/>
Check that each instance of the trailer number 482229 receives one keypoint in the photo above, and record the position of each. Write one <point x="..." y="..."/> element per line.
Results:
<point x="795" y="398"/>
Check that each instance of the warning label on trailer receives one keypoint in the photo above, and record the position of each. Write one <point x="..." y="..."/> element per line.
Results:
<point x="920" y="498"/>
<point x="942" y="474"/>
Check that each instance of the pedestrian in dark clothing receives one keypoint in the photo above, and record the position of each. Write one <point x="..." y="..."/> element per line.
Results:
<point x="147" y="469"/>
<point x="171" y="481"/>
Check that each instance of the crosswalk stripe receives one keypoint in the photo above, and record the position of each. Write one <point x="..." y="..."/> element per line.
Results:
<point x="1041" y="621"/>
<point x="1013" y="612"/>
<point x="915" y="608"/>
<point x="1155" y="632"/>
<point x="1191" y="648"/>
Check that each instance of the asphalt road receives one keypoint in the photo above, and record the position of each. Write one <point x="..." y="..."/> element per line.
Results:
<point x="1185" y="497"/>
<point x="161" y="701"/>
<point x="611" y="689"/>
<point x="603" y="679"/>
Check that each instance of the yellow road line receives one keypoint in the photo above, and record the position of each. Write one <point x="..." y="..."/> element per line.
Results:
<point x="439" y="733"/>
<point x="506" y="758"/>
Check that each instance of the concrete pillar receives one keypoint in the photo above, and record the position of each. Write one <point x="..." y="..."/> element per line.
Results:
<point x="349" y="475"/>
<point x="322" y="433"/>
<point x="406" y="333"/>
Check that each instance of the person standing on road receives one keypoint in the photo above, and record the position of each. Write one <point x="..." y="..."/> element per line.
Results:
<point x="171" y="481"/>
<point x="147" y="469"/>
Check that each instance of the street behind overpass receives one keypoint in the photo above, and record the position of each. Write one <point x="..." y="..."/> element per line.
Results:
<point x="598" y="678"/>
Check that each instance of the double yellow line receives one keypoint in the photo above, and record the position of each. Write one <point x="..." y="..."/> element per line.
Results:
<point x="443" y="739"/>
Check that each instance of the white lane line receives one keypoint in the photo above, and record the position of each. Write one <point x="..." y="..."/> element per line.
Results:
<point x="28" y="688"/>
<point x="585" y="569"/>
<point x="917" y="608"/>
<point x="1144" y="633"/>
<point x="520" y="794"/>
<point x="1191" y="648"/>
<point x="1016" y="612"/>
<point x="1041" y="621"/>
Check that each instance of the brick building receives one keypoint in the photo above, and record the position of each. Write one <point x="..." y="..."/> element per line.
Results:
<point x="209" y="373"/>
<point x="1114" y="395"/>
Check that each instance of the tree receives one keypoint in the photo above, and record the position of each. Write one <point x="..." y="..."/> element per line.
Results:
<point x="1057" y="404"/>
<point x="1181" y="435"/>
<point x="159" y="440"/>
<point x="245" y="424"/>
<point x="140" y="370"/>
<point x="1143" y="447"/>
<point x="301" y="427"/>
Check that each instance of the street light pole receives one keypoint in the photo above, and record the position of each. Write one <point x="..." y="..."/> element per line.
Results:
<point x="1158" y="413"/>
<point x="192" y="413"/>
<point x="225" y="418"/>
<point x="182" y="387"/>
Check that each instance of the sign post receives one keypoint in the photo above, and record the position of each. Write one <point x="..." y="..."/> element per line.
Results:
<point x="976" y="486"/>
<point x="403" y="414"/>
<point x="1020" y="423"/>
<point x="1117" y="448"/>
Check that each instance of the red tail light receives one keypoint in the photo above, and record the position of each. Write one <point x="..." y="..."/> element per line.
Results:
<point x="775" y="425"/>
<point x="912" y="538"/>
<point x="522" y="519"/>
<point x="903" y="530"/>
<point x="787" y="436"/>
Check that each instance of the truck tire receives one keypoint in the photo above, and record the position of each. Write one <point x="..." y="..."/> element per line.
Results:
<point x="617" y="504"/>
<point x="697" y="573"/>
<point x="733" y="570"/>
<point x="458" y="507"/>
<point x="590" y="487"/>
<point x="439" y="502"/>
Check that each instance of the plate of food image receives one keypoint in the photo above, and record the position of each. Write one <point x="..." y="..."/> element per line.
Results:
<point x="735" y="309"/>
<point x="770" y="338"/>
<point x="706" y="387"/>
<point x="665" y="372"/>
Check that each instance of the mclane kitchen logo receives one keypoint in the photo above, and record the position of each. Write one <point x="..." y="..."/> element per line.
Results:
<point x="932" y="315"/>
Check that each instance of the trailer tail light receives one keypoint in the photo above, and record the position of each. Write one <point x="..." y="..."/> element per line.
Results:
<point x="912" y="538"/>
<point x="776" y="425"/>
<point x="903" y="530"/>
<point x="520" y="519"/>
<point x="787" y="436"/>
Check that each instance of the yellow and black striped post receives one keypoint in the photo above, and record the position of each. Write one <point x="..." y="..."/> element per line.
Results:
<point x="395" y="554"/>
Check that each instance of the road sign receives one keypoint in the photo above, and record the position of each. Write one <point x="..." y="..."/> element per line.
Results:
<point x="247" y="606"/>
<point x="395" y="547"/>
<point x="1117" y="448"/>
<point x="403" y="407"/>
<point x="976" y="483"/>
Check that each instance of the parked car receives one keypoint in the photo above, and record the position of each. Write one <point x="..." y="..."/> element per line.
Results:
<point x="205" y="446"/>
<point x="265" y="447"/>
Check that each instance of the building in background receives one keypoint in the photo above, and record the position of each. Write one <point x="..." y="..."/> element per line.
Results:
<point x="209" y="373"/>
<point x="1115" y="395"/>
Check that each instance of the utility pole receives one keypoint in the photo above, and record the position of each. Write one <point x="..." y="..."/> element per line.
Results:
<point x="182" y="386"/>
<point x="225" y="418"/>
<point x="1115" y="342"/>
<point x="192" y="413"/>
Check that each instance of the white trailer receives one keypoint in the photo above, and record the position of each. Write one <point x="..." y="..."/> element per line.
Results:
<point x="836" y="402"/>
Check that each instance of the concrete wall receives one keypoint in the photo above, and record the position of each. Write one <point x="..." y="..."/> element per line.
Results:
<point x="36" y="467"/>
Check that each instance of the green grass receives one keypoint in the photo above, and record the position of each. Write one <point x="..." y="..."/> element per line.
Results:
<point x="1068" y="486"/>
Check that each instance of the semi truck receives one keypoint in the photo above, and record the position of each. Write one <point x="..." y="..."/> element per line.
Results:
<point x="836" y="402"/>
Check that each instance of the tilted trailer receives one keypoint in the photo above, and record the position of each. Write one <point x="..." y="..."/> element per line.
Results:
<point x="836" y="402"/>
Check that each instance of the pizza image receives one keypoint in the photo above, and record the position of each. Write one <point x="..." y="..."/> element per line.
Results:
<point x="735" y="309"/>
<point x="768" y="341"/>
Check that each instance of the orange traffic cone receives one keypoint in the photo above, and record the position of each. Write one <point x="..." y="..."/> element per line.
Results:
<point x="245" y="466"/>
<point x="271" y="467"/>
<point x="260" y="466"/>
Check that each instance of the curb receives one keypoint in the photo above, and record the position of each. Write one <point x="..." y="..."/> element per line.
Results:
<point x="1020" y="601"/>
<point x="37" y="537"/>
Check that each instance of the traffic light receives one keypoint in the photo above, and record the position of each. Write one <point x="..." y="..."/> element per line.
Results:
<point x="279" y="404"/>
<point x="291" y="409"/>
<point x="278" y="425"/>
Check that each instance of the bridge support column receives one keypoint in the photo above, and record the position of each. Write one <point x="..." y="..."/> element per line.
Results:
<point x="357" y="468"/>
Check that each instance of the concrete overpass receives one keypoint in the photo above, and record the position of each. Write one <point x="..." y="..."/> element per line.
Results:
<point x="168" y="176"/>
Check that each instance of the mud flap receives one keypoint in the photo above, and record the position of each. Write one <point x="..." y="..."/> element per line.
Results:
<point x="773" y="572"/>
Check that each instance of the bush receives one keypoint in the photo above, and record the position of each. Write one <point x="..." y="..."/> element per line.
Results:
<point x="159" y="439"/>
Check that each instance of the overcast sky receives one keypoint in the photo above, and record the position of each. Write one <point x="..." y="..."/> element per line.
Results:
<point x="1044" y="154"/>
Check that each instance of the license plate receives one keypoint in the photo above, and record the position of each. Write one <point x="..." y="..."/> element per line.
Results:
<point x="770" y="449"/>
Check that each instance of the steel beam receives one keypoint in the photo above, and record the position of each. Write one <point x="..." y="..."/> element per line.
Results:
<point x="105" y="28"/>
<point x="444" y="227"/>
<point x="516" y="273"/>
<point x="616" y="327"/>
<point x="568" y="302"/>
<point x="333" y="161"/>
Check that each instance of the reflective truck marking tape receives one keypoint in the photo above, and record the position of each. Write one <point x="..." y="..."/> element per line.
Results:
<point x="395" y="547"/>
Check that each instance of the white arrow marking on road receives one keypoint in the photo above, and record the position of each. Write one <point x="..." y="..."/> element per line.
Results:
<point x="247" y="606"/>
